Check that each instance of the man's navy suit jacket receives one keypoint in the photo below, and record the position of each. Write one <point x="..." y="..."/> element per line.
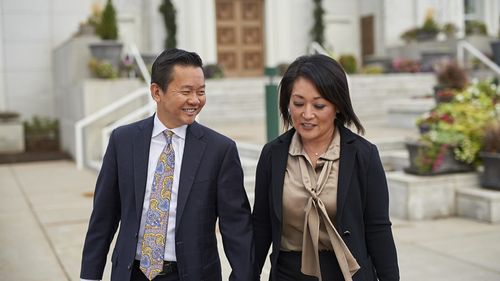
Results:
<point x="210" y="187"/>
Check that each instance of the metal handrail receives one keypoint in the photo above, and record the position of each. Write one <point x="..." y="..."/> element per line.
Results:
<point x="463" y="45"/>
<point x="316" y="48"/>
<point x="134" y="95"/>
<point x="82" y="123"/>
<point x="140" y="62"/>
<point x="106" y="131"/>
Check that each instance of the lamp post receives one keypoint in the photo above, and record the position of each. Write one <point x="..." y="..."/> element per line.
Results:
<point x="272" y="115"/>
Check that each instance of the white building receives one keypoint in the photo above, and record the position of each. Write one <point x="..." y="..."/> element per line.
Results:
<point x="243" y="35"/>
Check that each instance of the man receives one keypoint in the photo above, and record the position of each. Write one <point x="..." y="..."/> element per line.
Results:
<point x="165" y="180"/>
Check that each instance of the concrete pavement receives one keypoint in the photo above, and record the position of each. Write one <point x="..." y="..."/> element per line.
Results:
<point x="45" y="208"/>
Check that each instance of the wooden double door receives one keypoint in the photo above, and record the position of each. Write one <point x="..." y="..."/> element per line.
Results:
<point x="240" y="36"/>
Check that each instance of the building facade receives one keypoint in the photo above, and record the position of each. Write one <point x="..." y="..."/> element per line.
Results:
<point x="242" y="35"/>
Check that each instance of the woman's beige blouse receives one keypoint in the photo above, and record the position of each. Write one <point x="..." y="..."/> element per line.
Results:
<point x="310" y="207"/>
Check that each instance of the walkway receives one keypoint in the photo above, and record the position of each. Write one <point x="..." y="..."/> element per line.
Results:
<point x="45" y="208"/>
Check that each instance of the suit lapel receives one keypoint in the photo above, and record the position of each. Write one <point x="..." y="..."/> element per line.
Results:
<point x="193" y="152"/>
<point x="141" y="145"/>
<point x="347" y="157"/>
<point x="279" y="157"/>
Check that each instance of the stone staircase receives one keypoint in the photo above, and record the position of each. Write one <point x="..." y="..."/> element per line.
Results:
<point x="236" y="107"/>
<point x="387" y="106"/>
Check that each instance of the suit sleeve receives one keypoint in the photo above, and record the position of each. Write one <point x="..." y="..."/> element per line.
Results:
<point x="234" y="216"/>
<point x="378" y="231"/>
<point x="260" y="215"/>
<point x="105" y="217"/>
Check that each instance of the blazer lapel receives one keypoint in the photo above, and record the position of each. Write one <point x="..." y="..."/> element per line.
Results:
<point x="193" y="151"/>
<point x="347" y="157"/>
<point x="279" y="157"/>
<point x="141" y="145"/>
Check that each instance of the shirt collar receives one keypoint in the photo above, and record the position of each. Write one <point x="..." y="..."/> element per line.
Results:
<point x="332" y="153"/>
<point x="158" y="128"/>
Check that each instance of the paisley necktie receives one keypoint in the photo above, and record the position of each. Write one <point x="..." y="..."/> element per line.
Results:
<point x="155" y="230"/>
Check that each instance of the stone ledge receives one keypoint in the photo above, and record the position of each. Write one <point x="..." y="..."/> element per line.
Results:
<point x="479" y="204"/>
<point x="426" y="197"/>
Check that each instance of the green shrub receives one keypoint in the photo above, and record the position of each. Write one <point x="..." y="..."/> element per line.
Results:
<point x="102" y="69"/>
<point x="167" y="9"/>
<point x="450" y="29"/>
<point x="372" y="69"/>
<point x="349" y="63"/>
<point x="318" y="28"/>
<point x="107" y="28"/>
<point x="41" y="134"/>
<point x="213" y="71"/>
<point x="409" y="35"/>
<point x="459" y="125"/>
<point x="474" y="27"/>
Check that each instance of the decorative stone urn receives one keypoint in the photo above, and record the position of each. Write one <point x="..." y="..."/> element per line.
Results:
<point x="109" y="50"/>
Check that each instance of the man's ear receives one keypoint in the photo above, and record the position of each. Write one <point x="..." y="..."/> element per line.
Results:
<point x="155" y="91"/>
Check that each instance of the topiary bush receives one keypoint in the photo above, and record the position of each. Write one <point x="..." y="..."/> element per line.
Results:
<point x="349" y="63"/>
<point x="107" y="28"/>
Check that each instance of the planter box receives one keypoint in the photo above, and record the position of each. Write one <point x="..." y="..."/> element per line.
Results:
<point x="11" y="136"/>
<point x="449" y="164"/>
<point x="490" y="177"/>
<point x="108" y="50"/>
<point x="420" y="198"/>
<point x="42" y="142"/>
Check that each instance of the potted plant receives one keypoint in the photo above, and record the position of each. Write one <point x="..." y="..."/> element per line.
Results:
<point x="108" y="48"/>
<point x="409" y="35"/>
<point x="88" y="27"/>
<point x="349" y="63"/>
<point x="213" y="71"/>
<point x="405" y="65"/>
<point x="428" y="31"/>
<point x="490" y="156"/>
<point x="102" y="69"/>
<point x="168" y="11"/>
<point x="475" y="27"/>
<point x="451" y="78"/>
<point x="450" y="30"/>
<point x="41" y="134"/>
<point x="452" y="133"/>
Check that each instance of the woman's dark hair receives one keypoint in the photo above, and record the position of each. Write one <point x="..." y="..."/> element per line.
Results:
<point x="330" y="81"/>
<point x="161" y="72"/>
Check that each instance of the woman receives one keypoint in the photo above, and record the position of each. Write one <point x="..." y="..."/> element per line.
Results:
<point x="321" y="195"/>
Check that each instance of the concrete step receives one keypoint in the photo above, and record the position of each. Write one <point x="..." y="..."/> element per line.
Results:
<point x="479" y="204"/>
<point x="243" y="99"/>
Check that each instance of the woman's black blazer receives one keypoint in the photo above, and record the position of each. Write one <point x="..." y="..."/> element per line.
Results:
<point x="362" y="206"/>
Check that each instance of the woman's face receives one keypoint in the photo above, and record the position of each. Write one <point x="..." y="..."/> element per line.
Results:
<point x="311" y="114"/>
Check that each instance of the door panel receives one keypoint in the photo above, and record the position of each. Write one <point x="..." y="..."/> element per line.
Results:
<point x="240" y="47"/>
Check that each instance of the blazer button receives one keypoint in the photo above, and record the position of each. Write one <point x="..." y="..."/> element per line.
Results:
<point x="347" y="233"/>
<point x="129" y="267"/>
<point x="136" y="235"/>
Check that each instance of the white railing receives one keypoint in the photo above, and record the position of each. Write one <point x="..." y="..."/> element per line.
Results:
<point x="109" y="109"/>
<point x="463" y="46"/>
<point x="316" y="48"/>
<point x="81" y="124"/>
